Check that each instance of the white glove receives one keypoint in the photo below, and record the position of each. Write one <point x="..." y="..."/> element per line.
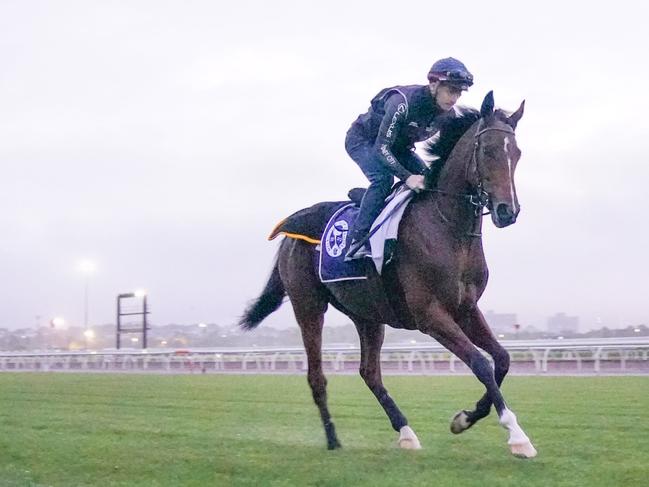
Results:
<point x="416" y="182"/>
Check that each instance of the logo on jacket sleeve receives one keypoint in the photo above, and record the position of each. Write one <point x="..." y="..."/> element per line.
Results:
<point x="401" y="109"/>
<point x="388" y="155"/>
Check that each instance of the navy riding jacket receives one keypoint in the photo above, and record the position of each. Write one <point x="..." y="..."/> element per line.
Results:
<point x="396" y="119"/>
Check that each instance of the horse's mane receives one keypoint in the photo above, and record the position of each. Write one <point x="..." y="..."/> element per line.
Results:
<point x="440" y="146"/>
<point x="452" y="129"/>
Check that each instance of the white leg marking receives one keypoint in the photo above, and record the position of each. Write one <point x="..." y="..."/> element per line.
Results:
<point x="511" y="180"/>
<point x="408" y="439"/>
<point x="519" y="443"/>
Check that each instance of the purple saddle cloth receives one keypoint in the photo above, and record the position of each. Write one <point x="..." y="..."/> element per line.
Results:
<point x="333" y="246"/>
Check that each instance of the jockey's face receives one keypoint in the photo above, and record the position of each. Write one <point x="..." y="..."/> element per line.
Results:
<point x="445" y="95"/>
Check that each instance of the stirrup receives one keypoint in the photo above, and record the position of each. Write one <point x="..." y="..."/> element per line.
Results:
<point x="357" y="250"/>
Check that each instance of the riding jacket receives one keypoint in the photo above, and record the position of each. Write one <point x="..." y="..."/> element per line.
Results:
<point x="397" y="118"/>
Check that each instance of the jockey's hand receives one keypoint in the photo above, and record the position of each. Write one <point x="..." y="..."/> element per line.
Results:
<point x="416" y="182"/>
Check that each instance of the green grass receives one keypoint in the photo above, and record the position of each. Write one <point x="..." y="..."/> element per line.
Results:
<point x="222" y="430"/>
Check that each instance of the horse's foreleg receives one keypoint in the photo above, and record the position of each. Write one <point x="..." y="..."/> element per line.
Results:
<point x="478" y="331"/>
<point x="371" y="337"/>
<point x="445" y="330"/>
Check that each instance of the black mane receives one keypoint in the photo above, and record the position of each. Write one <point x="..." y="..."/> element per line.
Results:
<point x="440" y="146"/>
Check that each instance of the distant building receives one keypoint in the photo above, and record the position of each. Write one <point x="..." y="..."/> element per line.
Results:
<point x="501" y="322"/>
<point x="562" y="323"/>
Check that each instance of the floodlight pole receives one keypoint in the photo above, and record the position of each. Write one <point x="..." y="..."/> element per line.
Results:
<point x="145" y="325"/>
<point x="85" y="304"/>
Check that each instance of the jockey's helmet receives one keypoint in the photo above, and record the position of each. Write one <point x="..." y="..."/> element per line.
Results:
<point x="451" y="71"/>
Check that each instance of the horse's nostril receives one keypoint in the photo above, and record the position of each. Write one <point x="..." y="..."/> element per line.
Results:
<point x="504" y="212"/>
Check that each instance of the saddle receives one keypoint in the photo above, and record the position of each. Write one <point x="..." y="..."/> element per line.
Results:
<point x="309" y="225"/>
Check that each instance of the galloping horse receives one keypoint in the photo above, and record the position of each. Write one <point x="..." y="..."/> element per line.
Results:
<point x="433" y="284"/>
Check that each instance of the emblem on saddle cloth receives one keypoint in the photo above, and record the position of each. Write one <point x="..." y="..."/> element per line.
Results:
<point x="336" y="238"/>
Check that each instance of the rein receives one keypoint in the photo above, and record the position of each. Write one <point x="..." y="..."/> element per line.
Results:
<point x="478" y="199"/>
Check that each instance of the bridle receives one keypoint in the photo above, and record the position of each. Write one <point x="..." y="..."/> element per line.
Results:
<point x="478" y="198"/>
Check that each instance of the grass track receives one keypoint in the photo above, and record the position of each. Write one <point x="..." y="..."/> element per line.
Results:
<point x="222" y="430"/>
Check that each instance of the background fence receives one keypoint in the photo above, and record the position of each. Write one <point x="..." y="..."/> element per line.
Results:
<point x="582" y="356"/>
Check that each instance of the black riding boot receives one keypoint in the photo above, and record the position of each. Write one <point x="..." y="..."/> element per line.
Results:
<point x="371" y="206"/>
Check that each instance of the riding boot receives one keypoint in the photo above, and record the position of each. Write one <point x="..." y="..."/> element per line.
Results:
<point x="371" y="206"/>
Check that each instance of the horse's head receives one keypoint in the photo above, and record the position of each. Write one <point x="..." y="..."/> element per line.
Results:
<point x="494" y="160"/>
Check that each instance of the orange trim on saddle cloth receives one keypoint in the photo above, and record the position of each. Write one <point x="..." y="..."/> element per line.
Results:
<point x="297" y="236"/>
<point x="276" y="231"/>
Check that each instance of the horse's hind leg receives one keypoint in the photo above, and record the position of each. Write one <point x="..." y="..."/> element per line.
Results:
<point x="371" y="337"/>
<point x="309" y="301"/>
<point x="311" y="328"/>
<point x="478" y="331"/>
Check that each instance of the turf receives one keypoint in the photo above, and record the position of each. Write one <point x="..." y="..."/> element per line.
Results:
<point x="222" y="430"/>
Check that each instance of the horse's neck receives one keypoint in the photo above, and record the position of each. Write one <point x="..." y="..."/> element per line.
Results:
<point x="444" y="218"/>
<point x="453" y="176"/>
<point x="447" y="208"/>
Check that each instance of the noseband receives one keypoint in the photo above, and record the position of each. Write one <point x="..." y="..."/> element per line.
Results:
<point x="478" y="198"/>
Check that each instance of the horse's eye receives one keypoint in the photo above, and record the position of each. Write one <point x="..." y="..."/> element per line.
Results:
<point x="490" y="152"/>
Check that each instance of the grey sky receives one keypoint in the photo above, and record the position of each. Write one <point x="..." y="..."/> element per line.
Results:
<point x="164" y="140"/>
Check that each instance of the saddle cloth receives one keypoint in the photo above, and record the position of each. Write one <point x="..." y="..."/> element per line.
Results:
<point x="332" y="266"/>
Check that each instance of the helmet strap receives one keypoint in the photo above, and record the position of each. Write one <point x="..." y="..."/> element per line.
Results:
<point x="432" y="86"/>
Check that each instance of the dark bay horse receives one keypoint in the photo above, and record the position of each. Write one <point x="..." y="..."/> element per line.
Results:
<point x="433" y="284"/>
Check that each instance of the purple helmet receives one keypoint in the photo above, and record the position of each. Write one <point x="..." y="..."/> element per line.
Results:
<point x="451" y="71"/>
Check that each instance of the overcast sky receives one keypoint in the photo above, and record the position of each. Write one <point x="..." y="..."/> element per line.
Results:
<point x="164" y="140"/>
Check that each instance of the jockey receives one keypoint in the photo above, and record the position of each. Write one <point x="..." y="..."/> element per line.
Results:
<point x="382" y="140"/>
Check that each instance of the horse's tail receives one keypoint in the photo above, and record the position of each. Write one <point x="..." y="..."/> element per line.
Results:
<point x="270" y="300"/>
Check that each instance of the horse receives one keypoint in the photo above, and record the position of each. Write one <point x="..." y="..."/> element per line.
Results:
<point x="433" y="283"/>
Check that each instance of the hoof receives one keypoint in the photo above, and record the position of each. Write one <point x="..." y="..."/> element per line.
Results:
<point x="334" y="445"/>
<point x="409" y="444"/>
<point x="408" y="439"/>
<point x="524" y="450"/>
<point x="460" y="422"/>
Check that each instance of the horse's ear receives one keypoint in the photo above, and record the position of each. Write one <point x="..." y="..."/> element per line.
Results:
<point x="487" y="105"/>
<point x="516" y="116"/>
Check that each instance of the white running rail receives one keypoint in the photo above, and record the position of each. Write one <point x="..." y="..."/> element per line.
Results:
<point x="574" y="356"/>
